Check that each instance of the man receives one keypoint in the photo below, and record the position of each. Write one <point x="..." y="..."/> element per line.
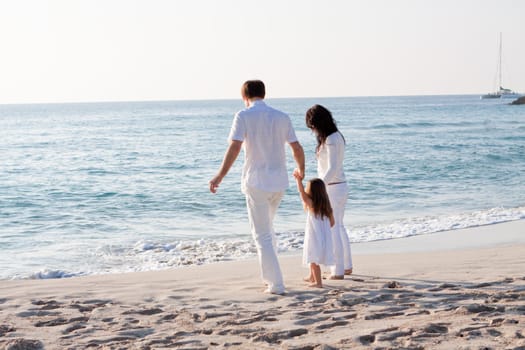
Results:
<point x="264" y="132"/>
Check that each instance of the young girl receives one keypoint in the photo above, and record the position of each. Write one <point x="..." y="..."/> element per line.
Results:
<point x="318" y="238"/>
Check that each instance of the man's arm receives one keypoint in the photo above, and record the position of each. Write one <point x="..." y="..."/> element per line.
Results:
<point x="298" y="155"/>
<point x="230" y="156"/>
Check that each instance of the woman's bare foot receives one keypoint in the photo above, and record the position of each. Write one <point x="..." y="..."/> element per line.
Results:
<point x="337" y="277"/>
<point x="315" y="285"/>
<point x="308" y="279"/>
<point x="348" y="271"/>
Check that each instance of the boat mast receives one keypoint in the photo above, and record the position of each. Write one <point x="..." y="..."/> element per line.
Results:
<point x="500" y="46"/>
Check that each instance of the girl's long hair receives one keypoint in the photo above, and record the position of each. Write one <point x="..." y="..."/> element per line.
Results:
<point x="320" y="201"/>
<point x="320" y="120"/>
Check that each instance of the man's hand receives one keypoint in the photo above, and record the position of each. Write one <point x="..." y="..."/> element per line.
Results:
<point x="298" y="175"/>
<point x="229" y="157"/>
<point x="214" y="183"/>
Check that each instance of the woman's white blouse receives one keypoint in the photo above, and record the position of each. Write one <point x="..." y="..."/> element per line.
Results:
<point x="330" y="159"/>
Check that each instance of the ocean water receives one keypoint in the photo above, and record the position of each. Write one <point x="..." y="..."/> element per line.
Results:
<point x="112" y="187"/>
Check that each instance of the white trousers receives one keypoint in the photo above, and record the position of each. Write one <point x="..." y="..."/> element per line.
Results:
<point x="262" y="207"/>
<point x="338" y="195"/>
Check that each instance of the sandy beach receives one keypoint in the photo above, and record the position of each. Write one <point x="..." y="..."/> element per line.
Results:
<point x="462" y="289"/>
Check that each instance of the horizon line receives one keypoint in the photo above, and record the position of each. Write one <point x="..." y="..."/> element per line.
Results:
<point x="229" y="99"/>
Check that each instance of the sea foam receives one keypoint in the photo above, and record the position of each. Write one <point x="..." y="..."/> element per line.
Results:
<point x="147" y="255"/>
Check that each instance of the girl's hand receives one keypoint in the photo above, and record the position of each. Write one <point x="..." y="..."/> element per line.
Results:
<point x="297" y="174"/>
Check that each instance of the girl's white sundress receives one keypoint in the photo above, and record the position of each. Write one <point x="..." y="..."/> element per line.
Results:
<point x="317" y="241"/>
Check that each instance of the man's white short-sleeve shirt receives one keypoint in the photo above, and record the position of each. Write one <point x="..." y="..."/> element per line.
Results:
<point x="264" y="132"/>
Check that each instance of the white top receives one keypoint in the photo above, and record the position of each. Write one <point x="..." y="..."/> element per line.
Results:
<point x="330" y="159"/>
<point x="264" y="132"/>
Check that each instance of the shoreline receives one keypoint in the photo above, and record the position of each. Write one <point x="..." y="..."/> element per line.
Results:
<point x="422" y="292"/>
<point x="186" y="253"/>
<point x="509" y="232"/>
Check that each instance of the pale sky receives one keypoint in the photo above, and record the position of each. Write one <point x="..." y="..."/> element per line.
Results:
<point x="122" y="50"/>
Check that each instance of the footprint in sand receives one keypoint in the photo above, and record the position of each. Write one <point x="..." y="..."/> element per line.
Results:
<point x="60" y="321"/>
<point x="392" y="285"/>
<point x="440" y="328"/>
<point x="51" y="323"/>
<point x="146" y="312"/>
<point x="307" y="313"/>
<point x="73" y="328"/>
<point x="479" y="308"/>
<point x="26" y="344"/>
<point x="332" y="325"/>
<point x="367" y="339"/>
<point x="47" y="305"/>
<point x="4" y="329"/>
<point x="347" y="301"/>
<point x="168" y="317"/>
<point x="381" y="315"/>
<point x="137" y="332"/>
<point x="309" y="321"/>
<point x="38" y="313"/>
<point x="258" y="317"/>
<point x="444" y="286"/>
<point x="381" y="298"/>
<point x="277" y="337"/>
<point x="89" y="305"/>
<point x="494" y="333"/>
<point x="394" y="335"/>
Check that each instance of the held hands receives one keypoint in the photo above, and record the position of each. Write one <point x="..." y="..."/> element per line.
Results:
<point x="298" y="174"/>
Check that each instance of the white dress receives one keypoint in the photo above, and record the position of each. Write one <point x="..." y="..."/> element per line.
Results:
<point x="317" y="241"/>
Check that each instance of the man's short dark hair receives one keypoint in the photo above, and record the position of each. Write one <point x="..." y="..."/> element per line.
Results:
<point x="253" y="88"/>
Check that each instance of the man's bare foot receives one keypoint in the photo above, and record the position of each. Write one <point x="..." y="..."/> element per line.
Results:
<point x="308" y="279"/>
<point x="337" y="277"/>
<point x="315" y="285"/>
<point x="348" y="271"/>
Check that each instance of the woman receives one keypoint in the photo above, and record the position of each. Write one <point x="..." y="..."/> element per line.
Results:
<point x="330" y="152"/>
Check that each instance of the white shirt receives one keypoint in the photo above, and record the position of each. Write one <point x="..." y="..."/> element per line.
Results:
<point x="264" y="132"/>
<point x="330" y="159"/>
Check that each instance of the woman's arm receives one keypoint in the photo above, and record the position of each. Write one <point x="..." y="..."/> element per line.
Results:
<point x="332" y="220"/>
<point x="333" y="160"/>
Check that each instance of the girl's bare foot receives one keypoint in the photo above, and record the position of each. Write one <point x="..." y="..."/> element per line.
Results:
<point x="308" y="279"/>
<point x="315" y="285"/>
<point x="348" y="271"/>
<point x="337" y="277"/>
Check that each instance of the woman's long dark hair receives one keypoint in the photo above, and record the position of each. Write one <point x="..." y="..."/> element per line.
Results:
<point x="320" y="120"/>
<point x="320" y="201"/>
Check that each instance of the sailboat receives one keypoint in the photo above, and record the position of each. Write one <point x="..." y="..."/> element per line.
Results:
<point x="502" y="92"/>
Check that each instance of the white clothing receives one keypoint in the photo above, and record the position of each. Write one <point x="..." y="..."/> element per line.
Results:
<point x="264" y="132"/>
<point x="330" y="159"/>
<point x="317" y="241"/>
<point x="262" y="207"/>
<point x="338" y="195"/>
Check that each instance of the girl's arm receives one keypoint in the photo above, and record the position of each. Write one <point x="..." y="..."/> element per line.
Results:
<point x="307" y="202"/>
